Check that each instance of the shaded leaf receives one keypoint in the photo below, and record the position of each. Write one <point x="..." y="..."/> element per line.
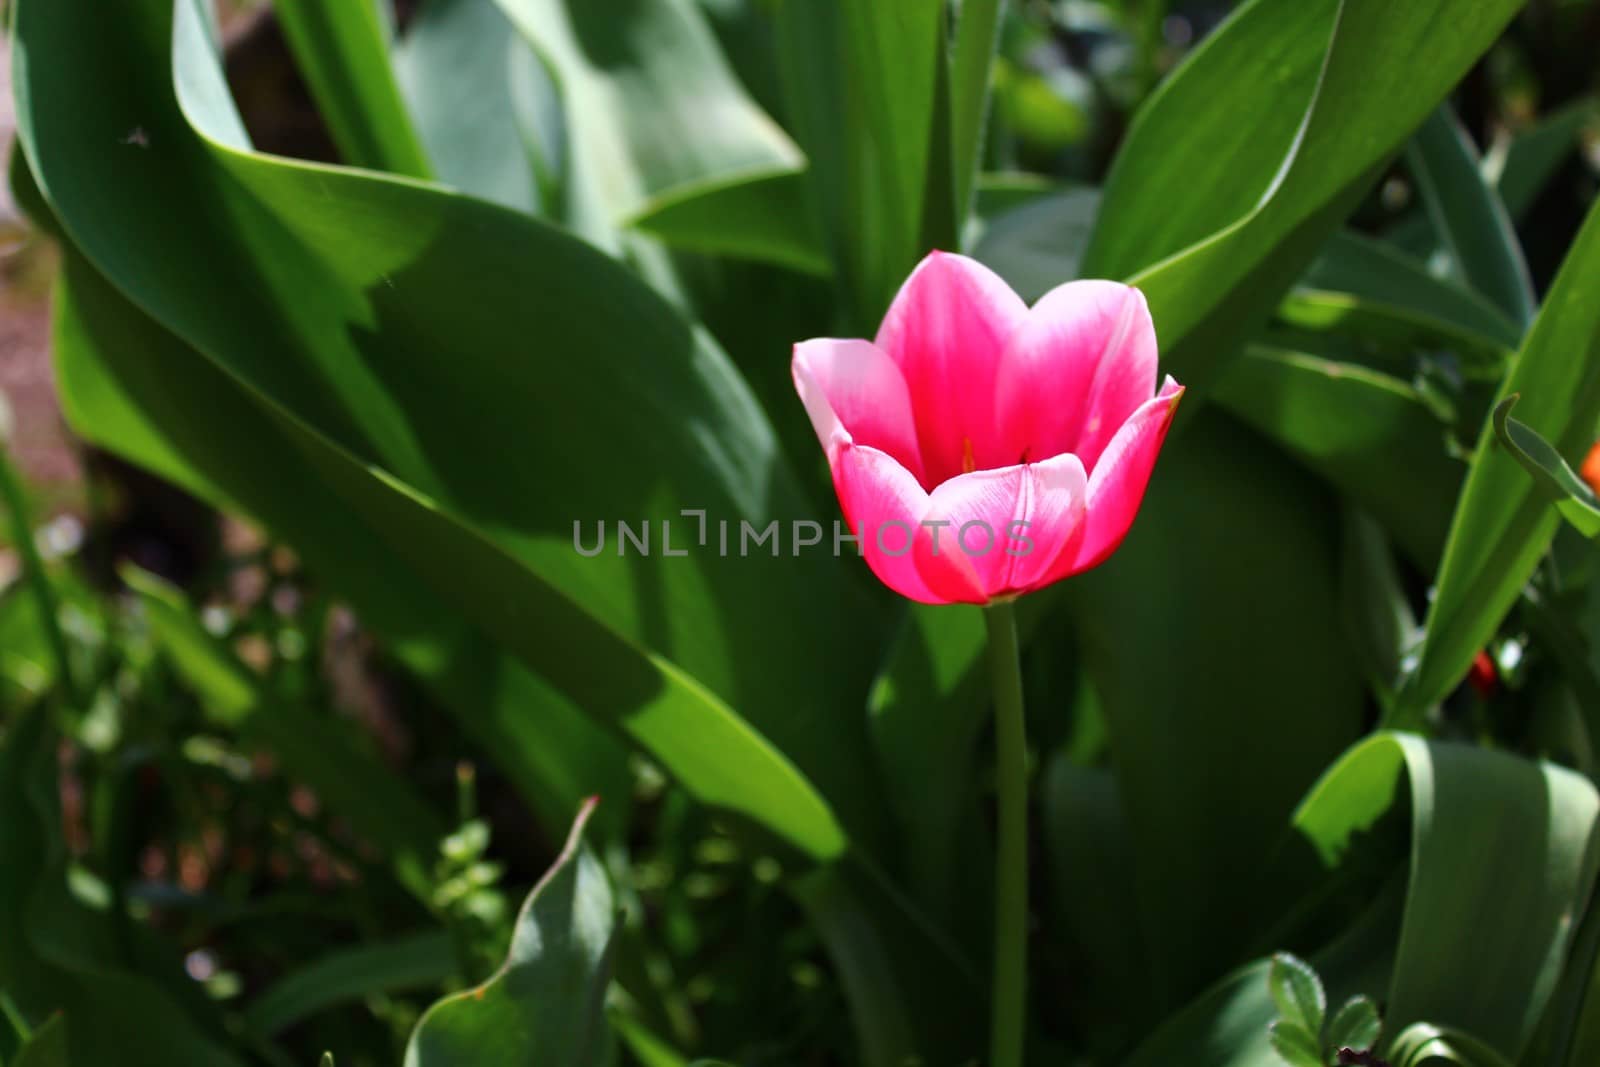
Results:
<point x="1468" y="216"/>
<point x="546" y="1003"/>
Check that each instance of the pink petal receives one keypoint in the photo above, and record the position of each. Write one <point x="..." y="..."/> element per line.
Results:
<point x="1083" y="361"/>
<point x="947" y="329"/>
<point x="883" y="504"/>
<point x="852" y="386"/>
<point x="1004" y="528"/>
<point x="1117" y="485"/>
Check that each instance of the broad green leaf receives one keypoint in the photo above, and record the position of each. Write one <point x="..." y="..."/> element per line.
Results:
<point x="1522" y="170"/>
<point x="1298" y="993"/>
<point x="47" y="1047"/>
<point x="1355" y="1025"/>
<point x="1573" y="498"/>
<point x="345" y="266"/>
<point x="1294" y="1044"/>
<point x="401" y="964"/>
<point x="762" y="217"/>
<point x="546" y="1003"/>
<point x="649" y="103"/>
<point x="1503" y="523"/>
<point x="480" y="97"/>
<point x="766" y="217"/>
<point x="320" y="752"/>
<point x="1468" y="216"/>
<point x="1268" y="134"/>
<point x="342" y="50"/>
<point x="862" y="80"/>
<point x="1245" y="568"/>
<point x="130" y="386"/>
<point x="1482" y="945"/>
<point x="1370" y="435"/>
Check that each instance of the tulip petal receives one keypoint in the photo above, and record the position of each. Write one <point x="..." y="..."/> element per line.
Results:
<point x="1081" y="364"/>
<point x="947" y="329"/>
<point x="854" y="387"/>
<point x="1117" y="484"/>
<point x="883" y="504"/>
<point x="980" y="551"/>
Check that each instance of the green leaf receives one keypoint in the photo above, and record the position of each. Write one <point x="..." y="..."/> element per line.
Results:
<point x="1245" y="568"/>
<point x="1295" y="1044"/>
<point x="862" y="82"/>
<point x="763" y="217"/>
<point x="368" y="299"/>
<point x="1459" y="961"/>
<point x="1425" y="1045"/>
<point x="1372" y="436"/>
<point x="1356" y="1025"/>
<point x="1269" y="134"/>
<point x="397" y="965"/>
<point x="1525" y="167"/>
<point x="1036" y="246"/>
<point x="546" y="1003"/>
<point x="480" y="97"/>
<point x="1371" y="289"/>
<point x="1298" y="993"/>
<point x="649" y="103"/>
<point x="1503" y="523"/>
<point x="1573" y="498"/>
<point x="342" y="50"/>
<point x="1468" y="216"/>
<point x="47" y="1047"/>
<point x="971" y="73"/>
<point x="132" y="387"/>
<point x="1379" y="622"/>
<point x="1091" y="894"/>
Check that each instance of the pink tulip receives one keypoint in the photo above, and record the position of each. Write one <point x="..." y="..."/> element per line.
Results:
<point x="981" y="448"/>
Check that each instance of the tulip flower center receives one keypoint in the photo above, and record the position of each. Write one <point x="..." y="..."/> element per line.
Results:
<point x="968" y="464"/>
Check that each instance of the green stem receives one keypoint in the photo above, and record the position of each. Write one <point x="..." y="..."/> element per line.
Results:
<point x="977" y="37"/>
<point x="1011" y="853"/>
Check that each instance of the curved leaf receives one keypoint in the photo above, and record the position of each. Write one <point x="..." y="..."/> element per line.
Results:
<point x="1573" y="498"/>
<point x="1269" y="133"/>
<point x="1502" y="524"/>
<point x="328" y="298"/>
<point x="1468" y="216"/>
<point x="546" y="1004"/>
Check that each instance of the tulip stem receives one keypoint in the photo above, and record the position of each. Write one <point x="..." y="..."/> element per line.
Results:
<point x="1011" y="853"/>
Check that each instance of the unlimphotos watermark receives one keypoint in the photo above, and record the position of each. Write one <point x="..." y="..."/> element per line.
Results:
<point x="742" y="538"/>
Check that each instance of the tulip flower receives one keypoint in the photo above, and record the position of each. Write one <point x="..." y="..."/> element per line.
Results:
<point x="981" y="448"/>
